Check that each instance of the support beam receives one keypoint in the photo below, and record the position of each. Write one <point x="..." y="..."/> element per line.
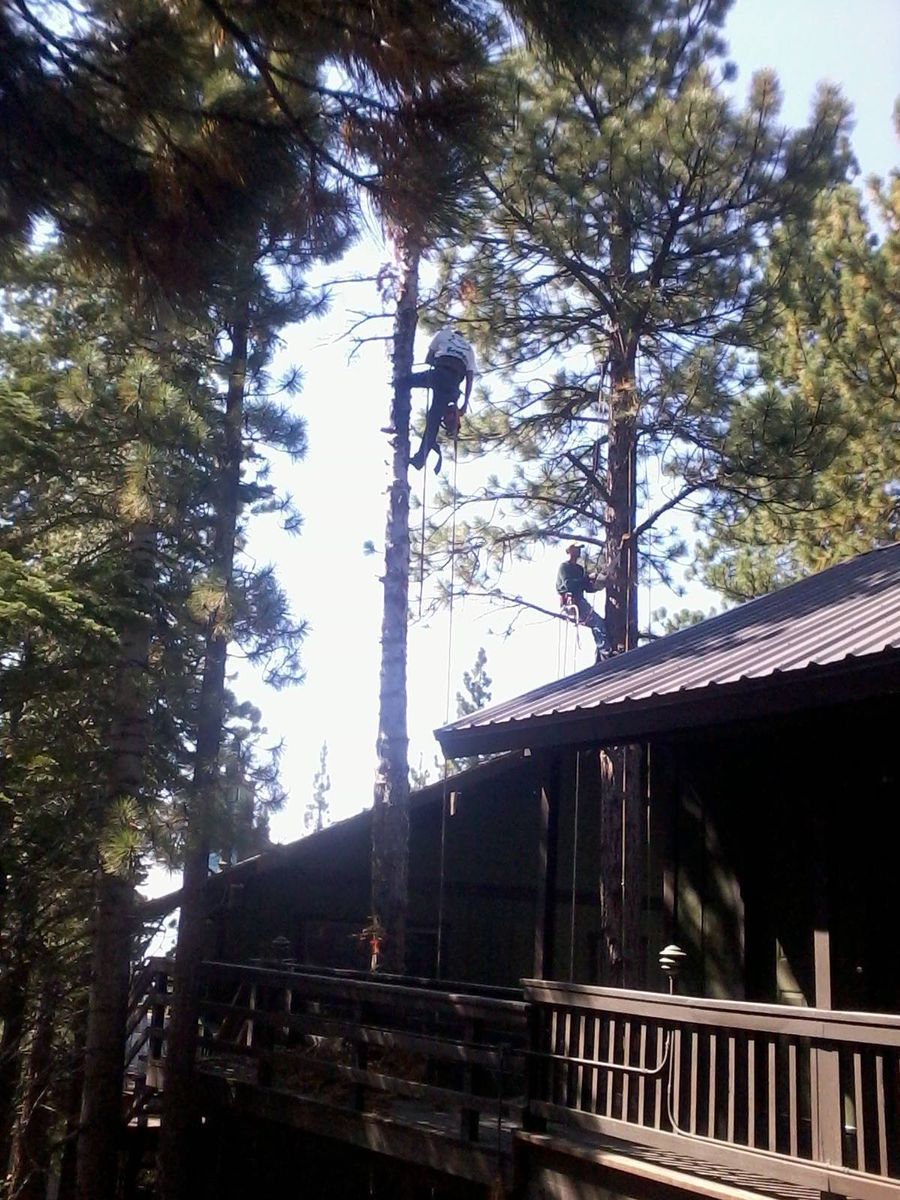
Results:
<point x="549" y="773"/>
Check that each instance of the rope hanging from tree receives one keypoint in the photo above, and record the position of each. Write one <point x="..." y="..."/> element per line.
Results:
<point x="444" y="797"/>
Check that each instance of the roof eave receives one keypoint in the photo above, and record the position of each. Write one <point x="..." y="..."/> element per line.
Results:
<point x="716" y="704"/>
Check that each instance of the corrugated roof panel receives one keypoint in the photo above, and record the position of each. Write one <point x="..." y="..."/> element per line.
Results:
<point x="847" y="612"/>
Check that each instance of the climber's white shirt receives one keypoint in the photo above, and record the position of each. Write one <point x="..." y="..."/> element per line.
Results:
<point x="449" y="343"/>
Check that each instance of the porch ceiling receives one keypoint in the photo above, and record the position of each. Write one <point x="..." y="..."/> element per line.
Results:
<point x="827" y="639"/>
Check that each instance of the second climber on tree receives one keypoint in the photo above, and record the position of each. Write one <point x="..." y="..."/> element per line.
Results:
<point x="452" y="361"/>
<point x="572" y="581"/>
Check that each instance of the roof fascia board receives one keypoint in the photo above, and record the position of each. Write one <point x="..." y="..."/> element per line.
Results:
<point x="714" y="705"/>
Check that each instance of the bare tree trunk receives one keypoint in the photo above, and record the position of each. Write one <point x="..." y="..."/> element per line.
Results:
<point x="180" y="1125"/>
<point x="622" y="829"/>
<point x="622" y="866"/>
<point x="390" y="815"/>
<point x="621" y="588"/>
<point x="15" y="926"/>
<point x="73" y="1088"/>
<point x="31" y="1155"/>
<point x="101" y="1110"/>
<point x="13" y="998"/>
<point x="621" y="462"/>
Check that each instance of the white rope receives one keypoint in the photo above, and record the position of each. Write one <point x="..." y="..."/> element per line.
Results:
<point x="440" y="924"/>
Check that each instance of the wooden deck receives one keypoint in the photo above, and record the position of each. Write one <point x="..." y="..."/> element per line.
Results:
<point x="561" y="1089"/>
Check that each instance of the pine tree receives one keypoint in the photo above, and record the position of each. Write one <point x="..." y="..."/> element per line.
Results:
<point x="101" y="670"/>
<point x="477" y="687"/>
<point x="315" y="816"/>
<point x="79" y="497"/>
<point x="427" y="165"/>
<point x="225" y="600"/>
<point x="616" y="279"/>
<point x="476" y="694"/>
<point x="813" y="446"/>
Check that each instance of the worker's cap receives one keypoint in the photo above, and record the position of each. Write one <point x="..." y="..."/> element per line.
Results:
<point x="576" y="546"/>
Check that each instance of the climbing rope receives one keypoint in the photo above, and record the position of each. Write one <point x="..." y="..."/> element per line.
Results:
<point x="422" y="536"/>
<point x="444" y="797"/>
<point x="452" y="574"/>
<point x="569" y="616"/>
<point x="574" y="865"/>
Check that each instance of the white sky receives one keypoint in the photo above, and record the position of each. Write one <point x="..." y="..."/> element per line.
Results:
<point x="340" y="488"/>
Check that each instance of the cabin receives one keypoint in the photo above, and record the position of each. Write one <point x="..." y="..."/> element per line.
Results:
<point x="653" y="940"/>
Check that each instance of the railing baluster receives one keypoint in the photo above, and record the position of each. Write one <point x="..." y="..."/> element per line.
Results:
<point x="595" y="1071"/>
<point x="711" y="1098"/>
<point x="695" y="1060"/>
<point x="579" y="1071"/>
<point x="626" y="1078"/>
<point x="553" y="1066"/>
<point x="859" y="1118"/>
<point x="610" y="1057"/>
<point x="251" y="1005"/>
<point x="658" y="1085"/>
<point x="792" y="1097"/>
<point x="880" y="1114"/>
<point x="676" y="1076"/>
<point x="773" y="1112"/>
<point x="814" y="1099"/>
<point x="732" y="1084"/>
<point x="567" y="1050"/>
<point x="751" y="1092"/>
<point x="642" y="1062"/>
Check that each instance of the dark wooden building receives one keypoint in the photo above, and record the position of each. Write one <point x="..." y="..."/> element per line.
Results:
<point x="727" y="790"/>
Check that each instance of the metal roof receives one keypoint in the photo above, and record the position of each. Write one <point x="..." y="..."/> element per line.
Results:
<point x="842" y="618"/>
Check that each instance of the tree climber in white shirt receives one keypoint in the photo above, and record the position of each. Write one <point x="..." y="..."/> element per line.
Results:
<point x="451" y="360"/>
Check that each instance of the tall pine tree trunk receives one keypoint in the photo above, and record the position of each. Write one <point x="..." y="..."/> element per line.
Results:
<point x="31" y="1155"/>
<point x="621" y="866"/>
<point x="181" y="1124"/>
<point x="104" y="1060"/>
<point x="622" y="832"/>
<point x="390" y="815"/>
<point x="16" y="915"/>
<point x="13" y="1001"/>
<point x="621" y="462"/>
<point x="73" y="1086"/>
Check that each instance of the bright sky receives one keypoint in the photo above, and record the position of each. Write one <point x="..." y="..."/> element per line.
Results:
<point x="340" y="488"/>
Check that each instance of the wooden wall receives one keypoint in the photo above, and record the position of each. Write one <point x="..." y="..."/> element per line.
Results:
<point x="754" y="835"/>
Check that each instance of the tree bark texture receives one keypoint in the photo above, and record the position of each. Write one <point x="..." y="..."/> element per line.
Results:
<point x="16" y="915"/>
<point x="71" y="1101"/>
<point x="390" y="816"/>
<point x="621" y="468"/>
<point x="181" y="1121"/>
<point x="30" y="1165"/>
<point x="101" y="1105"/>
<point x="13" y="1001"/>
<point x="622" y="867"/>
<point x="101" y="1110"/>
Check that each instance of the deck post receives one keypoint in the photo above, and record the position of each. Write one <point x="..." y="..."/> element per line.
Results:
<point x="548" y="838"/>
<point x="826" y="1084"/>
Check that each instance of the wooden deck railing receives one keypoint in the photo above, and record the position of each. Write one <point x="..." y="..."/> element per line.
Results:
<point x="798" y="1095"/>
<point x="354" y="1040"/>
<point x="801" y="1095"/>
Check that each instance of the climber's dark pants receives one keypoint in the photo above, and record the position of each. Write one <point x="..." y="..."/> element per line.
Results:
<point x="444" y="379"/>
<point x="590" y="619"/>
